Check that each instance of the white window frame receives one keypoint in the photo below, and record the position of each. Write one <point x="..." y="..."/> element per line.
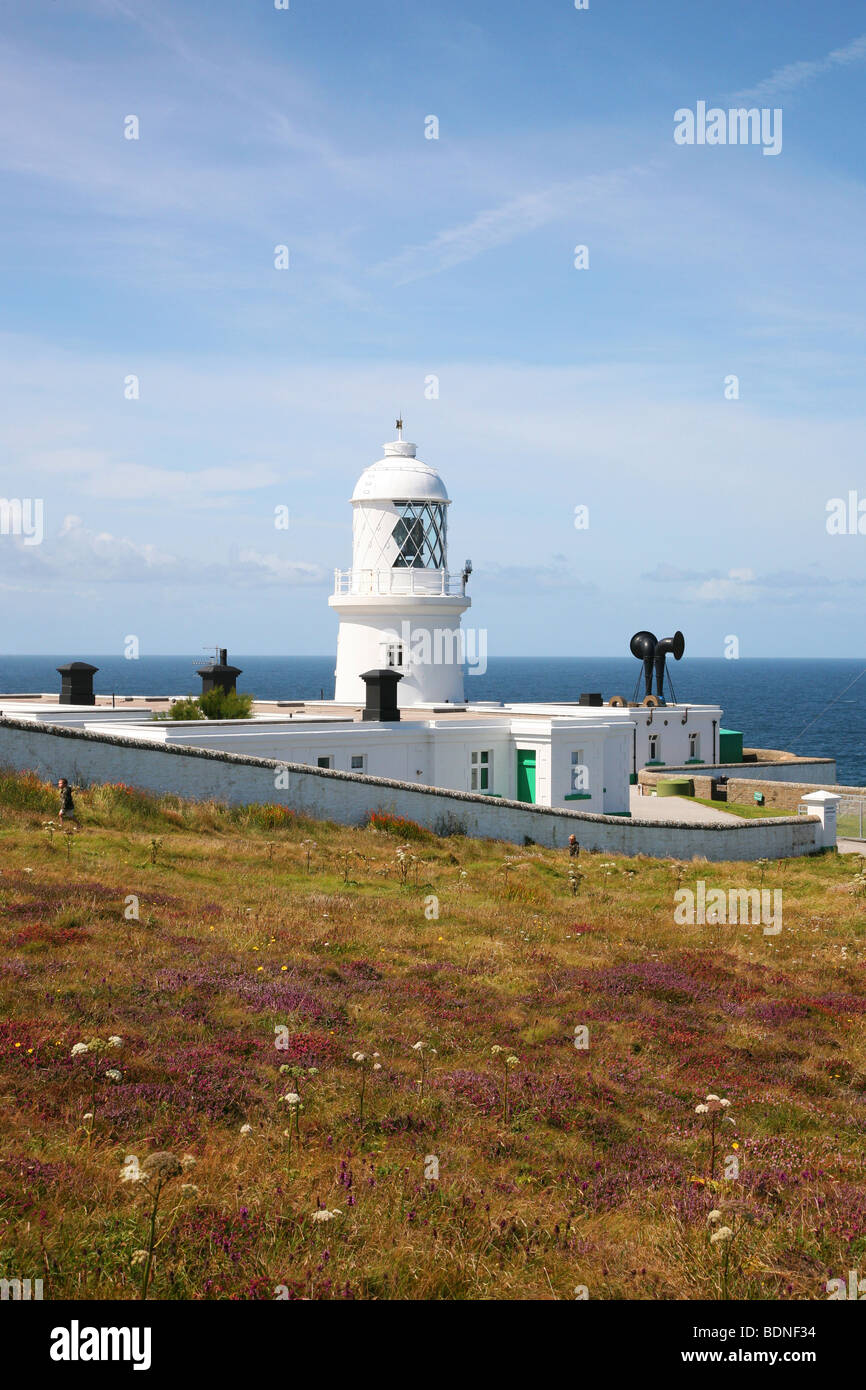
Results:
<point x="327" y="760"/>
<point x="694" y="745"/>
<point x="361" y="759"/>
<point x="481" y="770"/>
<point x="655" y="748"/>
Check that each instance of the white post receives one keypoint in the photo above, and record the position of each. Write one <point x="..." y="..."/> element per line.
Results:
<point x="823" y="804"/>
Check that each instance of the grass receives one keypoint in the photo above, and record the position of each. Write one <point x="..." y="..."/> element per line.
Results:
<point x="223" y="944"/>
<point x="849" y="826"/>
<point x="749" y="810"/>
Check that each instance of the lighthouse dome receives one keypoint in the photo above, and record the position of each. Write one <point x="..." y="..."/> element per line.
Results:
<point x="399" y="475"/>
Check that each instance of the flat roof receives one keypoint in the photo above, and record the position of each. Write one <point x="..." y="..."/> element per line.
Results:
<point x="303" y="711"/>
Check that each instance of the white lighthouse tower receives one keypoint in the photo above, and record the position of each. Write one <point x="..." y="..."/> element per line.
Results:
<point x="398" y="605"/>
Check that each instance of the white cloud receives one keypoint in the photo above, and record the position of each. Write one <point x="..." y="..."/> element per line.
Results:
<point x="793" y="75"/>
<point x="281" y="570"/>
<point x="80" y="558"/>
<point x="497" y="226"/>
<point x="97" y="475"/>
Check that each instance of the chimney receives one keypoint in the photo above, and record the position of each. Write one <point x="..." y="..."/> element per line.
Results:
<point x="219" y="675"/>
<point x="77" y="683"/>
<point x="381" y="704"/>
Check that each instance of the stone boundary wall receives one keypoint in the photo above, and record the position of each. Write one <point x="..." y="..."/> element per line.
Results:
<point x="54" y="751"/>
<point x="786" y="795"/>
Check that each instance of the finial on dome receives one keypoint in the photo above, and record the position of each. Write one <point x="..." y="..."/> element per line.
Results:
<point x="400" y="447"/>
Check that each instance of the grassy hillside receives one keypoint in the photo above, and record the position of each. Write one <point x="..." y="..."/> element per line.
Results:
<point x="568" y="1167"/>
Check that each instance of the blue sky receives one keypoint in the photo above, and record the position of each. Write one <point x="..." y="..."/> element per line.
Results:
<point x="411" y="257"/>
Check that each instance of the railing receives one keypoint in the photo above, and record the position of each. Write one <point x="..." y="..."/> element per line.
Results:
<point x="435" y="583"/>
<point x="850" y="818"/>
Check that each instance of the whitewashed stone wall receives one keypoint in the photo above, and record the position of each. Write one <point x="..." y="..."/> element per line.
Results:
<point x="820" y="771"/>
<point x="347" y="798"/>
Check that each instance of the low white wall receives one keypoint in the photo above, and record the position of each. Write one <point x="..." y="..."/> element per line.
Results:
<point x="822" y="770"/>
<point x="85" y="758"/>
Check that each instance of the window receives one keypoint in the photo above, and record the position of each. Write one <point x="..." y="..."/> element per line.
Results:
<point x="654" y="748"/>
<point x="420" y="536"/>
<point x="394" y="654"/>
<point x="325" y="762"/>
<point x="481" y="770"/>
<point x="579" y="772"/>
<point x="694" y="745"/>
<point x="358" y="762"/>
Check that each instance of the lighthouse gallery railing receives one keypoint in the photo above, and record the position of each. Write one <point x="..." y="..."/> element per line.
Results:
<point x="436" y="583"/>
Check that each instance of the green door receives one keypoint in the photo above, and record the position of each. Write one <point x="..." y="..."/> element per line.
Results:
<point x="526" y="774"/>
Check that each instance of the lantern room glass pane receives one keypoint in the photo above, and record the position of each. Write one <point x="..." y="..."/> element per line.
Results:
<point x="420" y="536"/>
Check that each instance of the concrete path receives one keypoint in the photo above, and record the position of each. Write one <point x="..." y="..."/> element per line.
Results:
<point x="851" y="846"/>
<point x="677" y="808"/>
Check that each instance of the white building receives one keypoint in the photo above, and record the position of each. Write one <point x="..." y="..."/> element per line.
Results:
<point x="398" y="605"/>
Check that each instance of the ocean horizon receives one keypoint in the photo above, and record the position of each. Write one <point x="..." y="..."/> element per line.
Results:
<point x="809" y="705"/>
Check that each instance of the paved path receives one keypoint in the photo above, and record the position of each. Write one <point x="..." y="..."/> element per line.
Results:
<point x="677" y="808"/>
<point x="851" y="846"/>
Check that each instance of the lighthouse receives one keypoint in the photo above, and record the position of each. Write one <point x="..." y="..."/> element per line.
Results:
<point x="399" y="607"/>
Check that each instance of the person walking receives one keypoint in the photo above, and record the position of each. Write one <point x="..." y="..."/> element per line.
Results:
<point x="573" y="847"/>
<point x="67" y="805"/>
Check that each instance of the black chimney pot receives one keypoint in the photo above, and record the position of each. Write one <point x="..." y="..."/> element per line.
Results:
<point x="381" y="703"/>
<point x="219" y="675"/>
<point x="76" y="686"/>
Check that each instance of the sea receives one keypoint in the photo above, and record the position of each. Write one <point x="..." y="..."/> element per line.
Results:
<point x="810" y="706"/>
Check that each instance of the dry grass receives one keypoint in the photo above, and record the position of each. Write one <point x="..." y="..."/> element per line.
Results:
<point x="599" y="1176"/>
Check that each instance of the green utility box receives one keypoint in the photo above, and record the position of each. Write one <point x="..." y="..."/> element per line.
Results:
<point x="675" y="786"/>
<point x="730" y="746"/>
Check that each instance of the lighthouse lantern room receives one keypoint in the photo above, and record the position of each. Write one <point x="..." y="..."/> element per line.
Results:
<point x="398" y="605"/>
